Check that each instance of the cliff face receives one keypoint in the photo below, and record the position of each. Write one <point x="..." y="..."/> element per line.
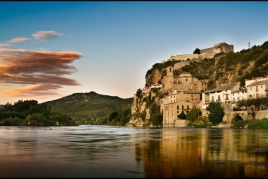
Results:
<point x="137" y="108"/>
<point x="154" y="77"/>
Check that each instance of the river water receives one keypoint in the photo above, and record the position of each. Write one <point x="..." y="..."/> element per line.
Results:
<point x="125" y="152"/>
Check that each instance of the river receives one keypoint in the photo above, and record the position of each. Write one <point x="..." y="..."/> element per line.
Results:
<point x="126" y="152"/>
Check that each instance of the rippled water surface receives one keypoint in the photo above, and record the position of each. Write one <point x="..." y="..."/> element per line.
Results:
<point x="109" y="152"/>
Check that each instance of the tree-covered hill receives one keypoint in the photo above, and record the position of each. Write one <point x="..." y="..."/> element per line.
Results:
<point x="87" y="107"/>
<point x="30" y="113"/>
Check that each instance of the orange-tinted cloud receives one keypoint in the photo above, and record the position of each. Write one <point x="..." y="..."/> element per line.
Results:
<point x="34" y="90"/>
<point x="43" y="70"/>
<point x="46" y="35"/>
<point x="19" y="40"/>
<point x="4" y="45"/>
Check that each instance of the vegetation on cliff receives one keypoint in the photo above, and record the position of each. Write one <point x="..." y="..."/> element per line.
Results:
<point x="30" y="113"/>
<point x="222" y="68"/>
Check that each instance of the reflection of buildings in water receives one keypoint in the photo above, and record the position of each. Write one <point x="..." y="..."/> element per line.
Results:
<point x="172" y="155"/>
<point x="204" y="153"/>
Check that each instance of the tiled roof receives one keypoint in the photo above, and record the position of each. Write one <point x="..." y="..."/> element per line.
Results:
<point x="223" y="87"/>
<point x="258" y="83"/>
<point x="191" y="92"/>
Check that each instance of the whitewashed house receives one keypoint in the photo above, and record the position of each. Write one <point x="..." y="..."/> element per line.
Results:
<point x="223" y="94"/>
<point x="257" y="89"/>
<point x="239" y="95"/>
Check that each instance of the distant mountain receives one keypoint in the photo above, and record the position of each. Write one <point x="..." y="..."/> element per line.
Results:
<point x="83" y="107"/>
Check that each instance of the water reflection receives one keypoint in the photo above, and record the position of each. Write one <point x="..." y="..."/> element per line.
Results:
<point x="112" y="152"/>
<point x="211" y="153"/>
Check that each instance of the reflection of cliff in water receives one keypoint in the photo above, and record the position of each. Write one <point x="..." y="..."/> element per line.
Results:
<point x="205" y="153"/>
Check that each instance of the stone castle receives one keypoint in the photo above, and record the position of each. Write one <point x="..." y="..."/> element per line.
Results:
<point x="205" y="53"/>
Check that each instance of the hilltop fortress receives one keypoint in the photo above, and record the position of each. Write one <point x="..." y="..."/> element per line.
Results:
<point x="205" y="53"/>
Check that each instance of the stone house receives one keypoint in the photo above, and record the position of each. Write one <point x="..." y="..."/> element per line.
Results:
<point x="178" y="100"/>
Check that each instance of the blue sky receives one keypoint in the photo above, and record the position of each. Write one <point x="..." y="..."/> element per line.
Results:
<point x="49" y="50"/>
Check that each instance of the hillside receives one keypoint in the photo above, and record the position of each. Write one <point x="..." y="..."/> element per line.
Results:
<point x="222" y="68"/>
<point x="83" y="107"/>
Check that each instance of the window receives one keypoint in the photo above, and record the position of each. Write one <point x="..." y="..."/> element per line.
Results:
<point x="219" y="98"/>
<point x="178" y="107"/>
<point x="226" y="97"/>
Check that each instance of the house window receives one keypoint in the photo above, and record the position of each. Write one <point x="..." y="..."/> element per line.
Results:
<point x="219" y="98"/>
<point x="182" y="107"/>
<point x="178" y="107"/>
<point x="226" y="97"/>
<point x="169" y="69"/>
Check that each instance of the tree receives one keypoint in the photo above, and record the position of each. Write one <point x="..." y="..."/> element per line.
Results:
<point x="156" y="116"/>
<point x="113" y="115"/>
<point x="139" y="93"/>
<point x="182" y="115"/>
<point x="216" y="112"/>
<point x="193" y="115"/>
<point x="197" y="51"/>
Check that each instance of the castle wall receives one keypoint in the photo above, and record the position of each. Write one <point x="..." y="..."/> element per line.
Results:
<point x="184" y="57"/>
<point x="181" y="64"/>
<point x="206" y="50"/>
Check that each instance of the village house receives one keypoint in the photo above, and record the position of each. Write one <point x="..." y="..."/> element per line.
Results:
<point x="257" y="89"/>
<point x="238" y="95"/>
<point x="175" y="102"/>
<point x="223" y="94"/>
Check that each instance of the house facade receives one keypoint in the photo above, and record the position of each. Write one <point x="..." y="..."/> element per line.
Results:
<point x="223" y="94"/>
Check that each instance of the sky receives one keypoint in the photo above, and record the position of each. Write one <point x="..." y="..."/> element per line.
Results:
<point x="51" y="49"/>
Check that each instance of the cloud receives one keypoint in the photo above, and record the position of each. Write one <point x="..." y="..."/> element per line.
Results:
<point x="42" y="70"/>
<point x="46" y="35"/>
<point x="19" y="40"/>
<point x="4" y="45"/>
<point x="33" y="91"/>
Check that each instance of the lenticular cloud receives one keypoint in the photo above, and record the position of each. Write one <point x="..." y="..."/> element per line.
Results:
<point x="42" y="70"/>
